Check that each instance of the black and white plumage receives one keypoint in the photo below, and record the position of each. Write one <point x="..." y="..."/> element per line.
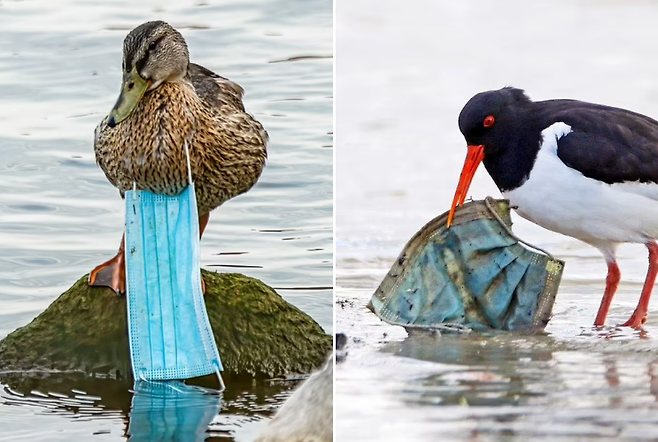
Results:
<point x="581" y="169"/>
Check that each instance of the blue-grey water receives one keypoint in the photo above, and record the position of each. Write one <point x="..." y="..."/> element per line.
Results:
<point x="404" y="71"/>
<point x="59" y="75"/>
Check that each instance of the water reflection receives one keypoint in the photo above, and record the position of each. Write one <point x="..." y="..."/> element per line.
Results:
<point x="478" y="370"/>
<point x="510" y="387"/>
<point x="116" y="409"/>
<point x="171" y="411"/>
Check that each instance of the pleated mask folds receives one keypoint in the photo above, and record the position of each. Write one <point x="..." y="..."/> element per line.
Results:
<point x="474" y="275"/>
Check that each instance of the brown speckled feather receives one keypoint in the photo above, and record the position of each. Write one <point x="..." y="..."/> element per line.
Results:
<point x="227" y="145"/>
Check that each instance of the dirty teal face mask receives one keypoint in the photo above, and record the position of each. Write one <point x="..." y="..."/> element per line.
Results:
<point x="169" y="331"/>
<point x="474" y="275"/>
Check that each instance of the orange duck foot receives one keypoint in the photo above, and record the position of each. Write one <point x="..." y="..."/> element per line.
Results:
<point x="110" y="274"/>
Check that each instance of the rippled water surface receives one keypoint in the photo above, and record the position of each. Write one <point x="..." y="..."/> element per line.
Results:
<point x="59" y="217"/>
<point x="405" y="70"/>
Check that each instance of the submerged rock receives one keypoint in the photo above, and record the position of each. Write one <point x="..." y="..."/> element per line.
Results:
<point x="85" y="329"/>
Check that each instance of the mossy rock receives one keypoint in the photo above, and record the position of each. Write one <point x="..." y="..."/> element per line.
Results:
<point x="85" y="329"/>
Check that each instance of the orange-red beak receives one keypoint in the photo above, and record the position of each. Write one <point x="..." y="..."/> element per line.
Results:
<point x="474" y="157"/>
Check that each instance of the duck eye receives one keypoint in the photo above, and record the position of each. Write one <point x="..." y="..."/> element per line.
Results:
<point x="489" y="121"/>
<point x="152" y="46"/>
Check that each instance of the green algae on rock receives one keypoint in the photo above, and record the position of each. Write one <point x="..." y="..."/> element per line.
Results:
<point x="85" y="329"/>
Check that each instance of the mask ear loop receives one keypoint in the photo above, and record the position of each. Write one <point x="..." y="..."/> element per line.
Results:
<point x="189" y="167"/>
<point x="489" y="202"/>
<point x="222" y="386"/>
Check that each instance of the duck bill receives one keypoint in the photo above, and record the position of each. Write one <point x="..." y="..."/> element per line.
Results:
<point x="132" y="90"/>
<point x="474" y="157"/>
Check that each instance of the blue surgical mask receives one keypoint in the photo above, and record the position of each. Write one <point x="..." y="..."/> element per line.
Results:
<point x="169" y="331"/>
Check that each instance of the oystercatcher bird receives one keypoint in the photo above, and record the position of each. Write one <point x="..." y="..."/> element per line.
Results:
<point x="584" y="170"/>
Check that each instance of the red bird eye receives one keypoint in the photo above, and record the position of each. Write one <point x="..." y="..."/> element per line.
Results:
<point x="489" y="121"/>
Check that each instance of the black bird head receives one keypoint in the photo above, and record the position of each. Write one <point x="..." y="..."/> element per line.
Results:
<point x="488" y="122"/>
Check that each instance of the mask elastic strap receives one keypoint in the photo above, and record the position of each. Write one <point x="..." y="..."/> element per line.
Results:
<point x="489" y="202"/>
<point x="222" y="386"/>
<point x="189" y="167"/>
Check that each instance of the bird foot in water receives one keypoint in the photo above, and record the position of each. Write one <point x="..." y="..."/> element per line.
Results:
<point x="636" y="320"/>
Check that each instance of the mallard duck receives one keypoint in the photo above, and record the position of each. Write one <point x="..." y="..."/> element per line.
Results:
<point x="166" y="101"/>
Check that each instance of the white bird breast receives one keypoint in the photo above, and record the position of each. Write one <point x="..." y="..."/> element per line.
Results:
<point x="563" y="200"/>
